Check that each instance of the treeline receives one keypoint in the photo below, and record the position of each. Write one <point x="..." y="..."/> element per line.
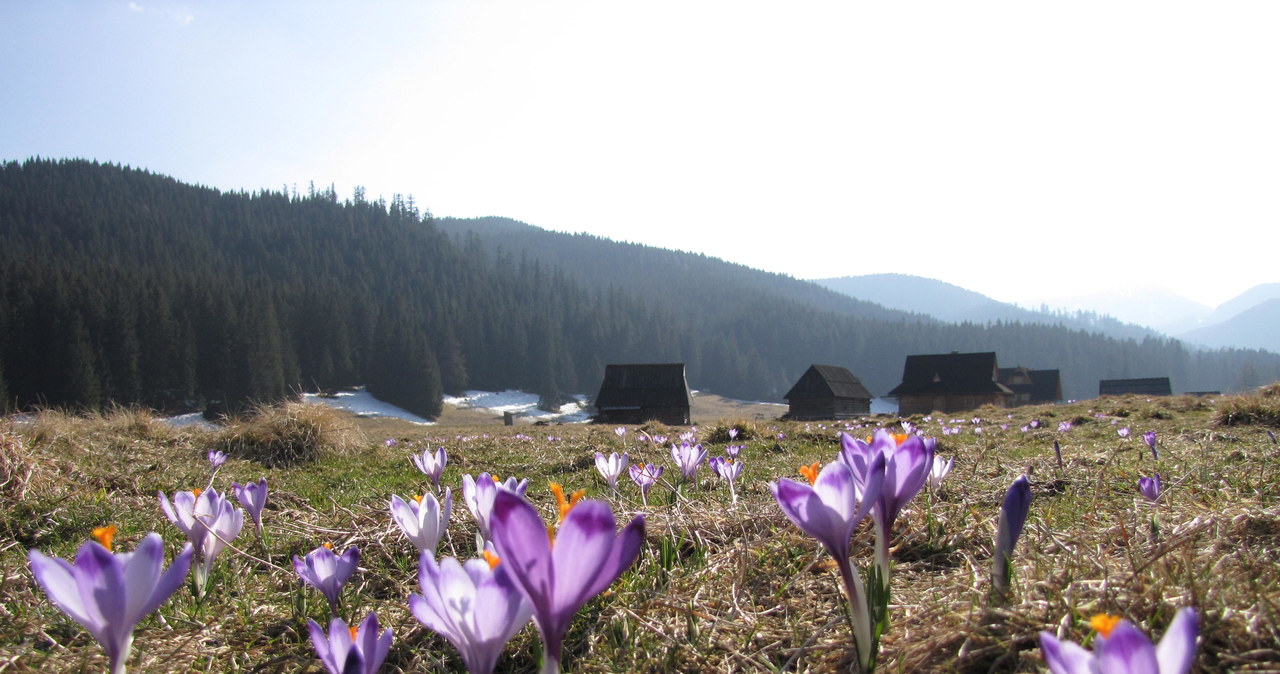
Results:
<point x="774" y="326"/>
<point x="121" y="286"/>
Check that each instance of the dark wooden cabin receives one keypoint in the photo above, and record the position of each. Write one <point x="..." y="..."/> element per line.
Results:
<point x="1150" y="386"/>
<point x="1031" y="387"/>
<point x="950" y="382"/>
<point x="634" y="394"/>
<point x="827" y="392"/>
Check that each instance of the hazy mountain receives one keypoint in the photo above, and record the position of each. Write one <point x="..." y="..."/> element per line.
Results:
<point x="953" y="304"/>
<point x="1257" y="327"/>
<point x="1155" y="308"/>
<point x="1242" y="303"/>
<point x="920" y="295"/>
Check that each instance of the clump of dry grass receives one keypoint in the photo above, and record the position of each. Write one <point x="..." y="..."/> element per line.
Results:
<point x="17" y="464"/>
<point x="289" y="434"/>
<point x="1261" y="408"/>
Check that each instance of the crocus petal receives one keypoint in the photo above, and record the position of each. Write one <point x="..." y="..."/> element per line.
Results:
<point x="1065" y="657"/>
<point x="1177" y="649"/>
<point x="521" y="538"/>
<point x="589" y="553"/>
<point x="320" y="641"/>
<point x="57" y="577"/>
<point x="372" y="646"/>
<point x="1127" y="650"/>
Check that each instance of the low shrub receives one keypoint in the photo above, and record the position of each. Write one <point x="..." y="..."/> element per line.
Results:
<point x="288" y="433"/>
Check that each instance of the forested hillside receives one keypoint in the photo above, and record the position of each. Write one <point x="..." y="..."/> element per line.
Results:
<point x="119" y="285"/>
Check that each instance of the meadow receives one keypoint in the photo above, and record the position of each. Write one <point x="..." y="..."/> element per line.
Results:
<point x="720" y="586"/>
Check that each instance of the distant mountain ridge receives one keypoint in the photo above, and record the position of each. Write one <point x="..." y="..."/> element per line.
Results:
<point x="954" y="304"/>
<point x="1257" y="327"/>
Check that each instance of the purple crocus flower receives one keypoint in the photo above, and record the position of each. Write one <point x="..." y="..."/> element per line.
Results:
<point x="1013" y="514"/>
<point x="558" y="577"/>
<point x="1150" y="438"/>
<point x="1121" y="648"/>
<point x="390" y="442"/>
<point x="327" y="572"/>
<point x="938" y="471"/>
<point x="423" y="519"/>
<point x="688" y="458"/>
<point x="253" y="498"/>
<point x="345" y="650"/>
<point x="830" y="510"/>
<point x="611" y="467"/>
<point x="109" y="593"/>
<point x="733" y="434"/>
<point x="728" y="470"/>
<point x="908" y="464"/>
<point x="217" y="458"/>
<point x="732" y="451"/>
<point x="432" y="465"/>
<point x="473" y="605"/>
<point x="478" y="494"/>
<point x="1064" y="426"/>
<point x="209" y="521"/>
<point x="645" y="476"/>
<point x="1123" y="431"/>
<point x="1150" y="487"/>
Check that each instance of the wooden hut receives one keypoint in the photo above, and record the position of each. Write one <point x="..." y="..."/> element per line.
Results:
<point x="1150" y="386"/>
<point x="950" y="382"/>
<point x="827" y="392"/>
<point x="1031" y="387"/>
<point x="634" y="394"/>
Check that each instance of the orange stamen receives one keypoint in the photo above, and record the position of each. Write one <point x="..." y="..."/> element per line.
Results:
<point x="491" y="558"/>
<point x="811" y="471"/>
<point x="196" y="492"/>
<point x="563" y="505"/>
<point x="419" y="498"/>
<point x="353" y="632"/>
<point x="104" y="535"/>
<point x="1104" y="623"/>
<point x="328" y="545"/>
<point x="900" y="438"/>
<point x="495" y="479"/>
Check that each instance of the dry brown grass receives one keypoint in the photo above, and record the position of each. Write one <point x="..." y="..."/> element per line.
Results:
<point x="720" y="587"/>
<point x="290" y="433"/>
<point x="1261" y="408"/>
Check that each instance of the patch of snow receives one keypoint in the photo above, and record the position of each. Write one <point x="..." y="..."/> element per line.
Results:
<point x="195" y="419"/>
<point x="522" y="405"/>
<point x="362" y="404"/>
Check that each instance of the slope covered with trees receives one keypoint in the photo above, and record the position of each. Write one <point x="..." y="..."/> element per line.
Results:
<point x="119" y="285"/>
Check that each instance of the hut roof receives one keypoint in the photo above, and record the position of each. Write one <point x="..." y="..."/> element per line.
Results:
<point x="955" y="373"/>
<point x="1152" y="386"/>
<point x="823" y="381"/>
<point x="643" y="385"/>
<point x="1042" y="385"/>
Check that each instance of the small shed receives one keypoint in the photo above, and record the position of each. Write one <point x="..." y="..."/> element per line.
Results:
<point x="1031" y="387"/>
<point x="827" y="392"/>
<point x="634" y="394"/>
<point x="950" y="382"/>
<point x="1150" y="386"/>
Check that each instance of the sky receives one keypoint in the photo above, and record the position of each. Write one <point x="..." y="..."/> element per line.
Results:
<point x="1024" y="150"/>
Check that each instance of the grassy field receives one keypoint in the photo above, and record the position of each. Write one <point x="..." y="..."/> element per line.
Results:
<point x="719" y="587"/>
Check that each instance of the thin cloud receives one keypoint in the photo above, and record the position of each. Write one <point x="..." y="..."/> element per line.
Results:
<point x="183" y="18"/>
<point x="135" y="7"/>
